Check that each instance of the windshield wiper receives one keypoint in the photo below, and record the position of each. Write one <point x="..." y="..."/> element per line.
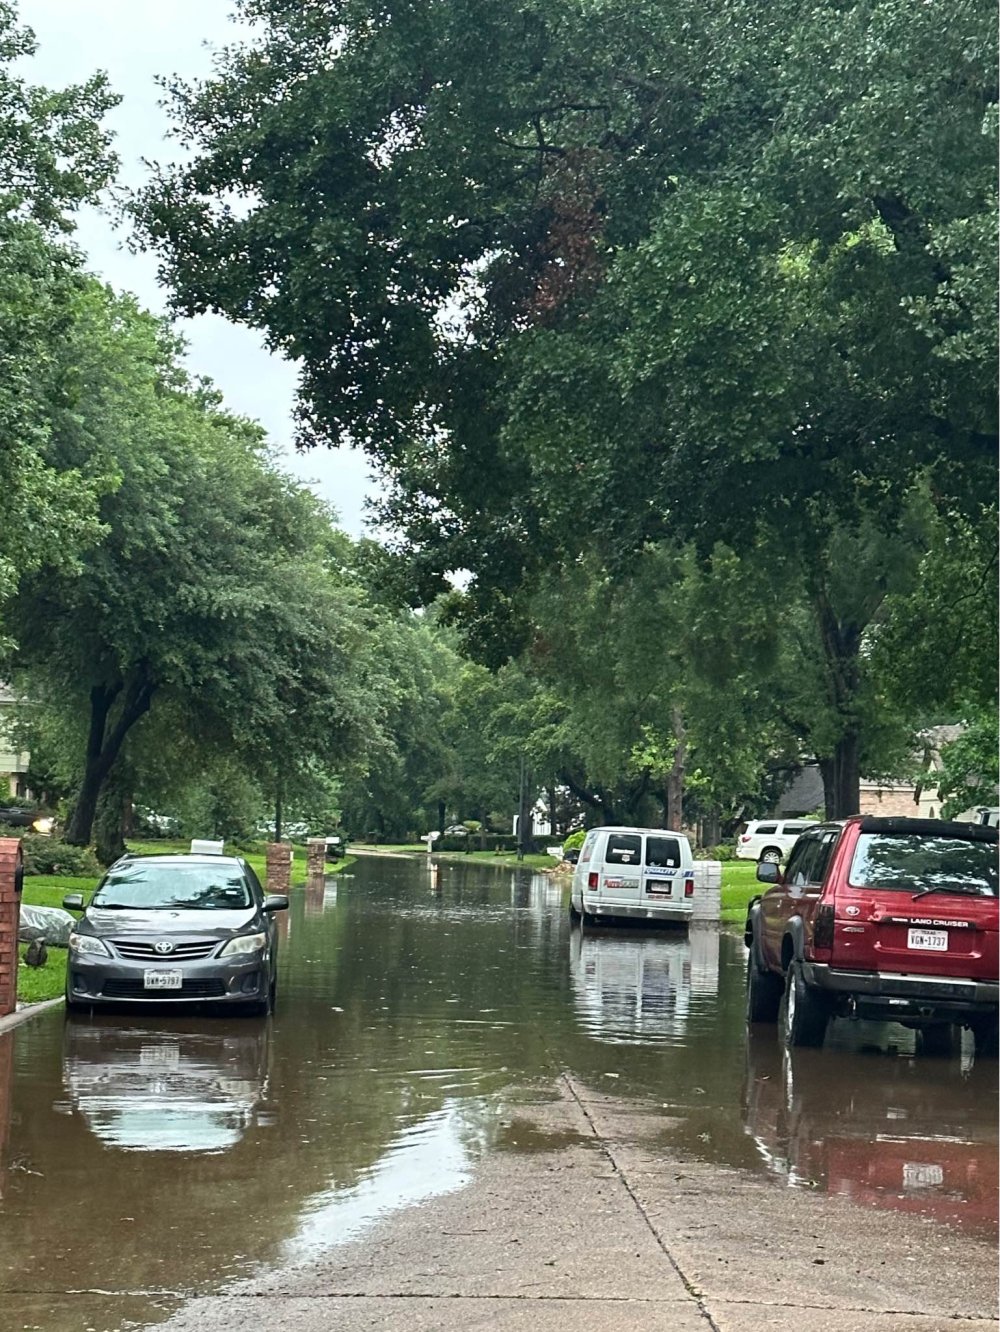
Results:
<point x="115" y="906"/>
<point x="947" y="888"/>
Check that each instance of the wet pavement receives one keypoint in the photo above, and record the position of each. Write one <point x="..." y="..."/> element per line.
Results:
<point x="450" y="1053"/>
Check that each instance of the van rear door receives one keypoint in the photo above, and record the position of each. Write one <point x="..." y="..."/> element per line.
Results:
<point x="663" y="872"/>
<point x="622" y="868"/>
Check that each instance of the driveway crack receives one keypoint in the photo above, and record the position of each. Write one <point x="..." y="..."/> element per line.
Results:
<point x="692" y="1290"/>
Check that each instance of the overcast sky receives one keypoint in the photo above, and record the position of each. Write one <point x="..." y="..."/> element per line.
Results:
<point x="133" y="42"/>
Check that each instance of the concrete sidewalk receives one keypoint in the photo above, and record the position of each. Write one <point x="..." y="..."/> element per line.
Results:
<point x="588" y="1222"/>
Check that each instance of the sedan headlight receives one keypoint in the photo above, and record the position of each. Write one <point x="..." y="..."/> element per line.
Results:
<point x="243" y="944"/>
<point x="87" y="943"/>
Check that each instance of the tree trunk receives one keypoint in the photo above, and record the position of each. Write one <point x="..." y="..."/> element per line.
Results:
<point x="441" y="814"/>
<point x="104" y="746"/>
<point x="553" y="819"/>
<point x="841" y="769"/>
<point x="525" y="804"/>
<point x="675" y="777"/>
<point x="109" y="819"/>
<point x="711" y="834"/>
<point x="842" y="777"/>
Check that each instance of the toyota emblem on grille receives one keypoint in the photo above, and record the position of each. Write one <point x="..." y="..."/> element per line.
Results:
<point x="163" y="946"/>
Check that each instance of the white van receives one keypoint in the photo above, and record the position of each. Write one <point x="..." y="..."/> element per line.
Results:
<point x="638" y="873"/>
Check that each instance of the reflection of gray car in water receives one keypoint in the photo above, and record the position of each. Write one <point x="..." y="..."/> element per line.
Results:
<point x="631" y="989"/>
<point x="180" y="1090"/>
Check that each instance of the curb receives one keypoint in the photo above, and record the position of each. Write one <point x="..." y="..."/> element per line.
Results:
<point x="22" y="1014"/>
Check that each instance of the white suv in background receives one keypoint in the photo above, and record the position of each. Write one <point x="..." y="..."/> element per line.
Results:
<point x="770" y="839"/>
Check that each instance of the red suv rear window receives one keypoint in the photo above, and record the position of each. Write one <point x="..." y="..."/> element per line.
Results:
<point x="914" y="863"/>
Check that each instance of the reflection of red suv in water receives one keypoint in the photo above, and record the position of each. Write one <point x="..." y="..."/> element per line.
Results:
<point x="879" y="918"/>
<point x="901" y="1134"/>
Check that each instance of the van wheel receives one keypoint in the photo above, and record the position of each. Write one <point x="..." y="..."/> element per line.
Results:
<point x="574" y="915"/>
<point x="805" y="1012"/>
<point x="770" y="856"/>
<point x="764" y="989"/>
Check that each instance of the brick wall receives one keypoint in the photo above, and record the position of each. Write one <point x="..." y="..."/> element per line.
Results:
<point x="279" y="867"/>
<point x="889" y="801"/>
<point x="10" y="901"/>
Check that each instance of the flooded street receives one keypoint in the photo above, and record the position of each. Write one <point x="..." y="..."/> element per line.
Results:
<point x="146" y="1159"/>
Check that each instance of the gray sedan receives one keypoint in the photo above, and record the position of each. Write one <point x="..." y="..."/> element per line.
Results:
<point x="177" y="930"/>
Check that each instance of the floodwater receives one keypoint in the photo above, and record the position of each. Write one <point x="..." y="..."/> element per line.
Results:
<point x="158" y="1153"/>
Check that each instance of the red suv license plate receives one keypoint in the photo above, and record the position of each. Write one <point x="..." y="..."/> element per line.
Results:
<point x="931" y="941"/>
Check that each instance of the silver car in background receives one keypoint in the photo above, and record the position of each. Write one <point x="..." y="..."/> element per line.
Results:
<point x="175" y="930"/>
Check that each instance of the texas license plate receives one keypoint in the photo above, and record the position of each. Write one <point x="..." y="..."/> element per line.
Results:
<point x="934" y="941"/>
<point x="162" y="980"/>
<point x="916" y="1175"/>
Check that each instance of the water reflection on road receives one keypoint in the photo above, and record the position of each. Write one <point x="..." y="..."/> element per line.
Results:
<point x="166" y="1152"/>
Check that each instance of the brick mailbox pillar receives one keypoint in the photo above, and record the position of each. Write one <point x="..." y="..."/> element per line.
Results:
<point x="11" y="878"/>
<point x="316" y="857"/>
<point x="279" y="867"/>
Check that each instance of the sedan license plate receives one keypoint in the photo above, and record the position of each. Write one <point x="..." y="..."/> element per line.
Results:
<point x="162" y="980"/>
<point x="934" y="941"/>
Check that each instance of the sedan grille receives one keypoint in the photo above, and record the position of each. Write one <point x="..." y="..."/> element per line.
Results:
<point x="138" y="951"/>
<point x="190" y="989"/>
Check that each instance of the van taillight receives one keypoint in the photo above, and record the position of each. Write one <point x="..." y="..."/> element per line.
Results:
<point x="689" y="888"/>
<point x="823" y="927"/>
<point x="593" y="880"/>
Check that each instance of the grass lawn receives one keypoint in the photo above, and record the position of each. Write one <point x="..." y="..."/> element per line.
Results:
<point x="37" y="983"/>
<point x="739" y="884"/>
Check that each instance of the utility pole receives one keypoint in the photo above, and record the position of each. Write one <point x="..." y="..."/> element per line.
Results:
<point x="520" y="811"/>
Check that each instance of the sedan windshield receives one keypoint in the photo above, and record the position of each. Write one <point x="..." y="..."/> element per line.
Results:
<point x="911" y="863"/>
<point x="180" y="887"/>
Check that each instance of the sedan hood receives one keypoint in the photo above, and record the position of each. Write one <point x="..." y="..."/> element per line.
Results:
<point x="213" y="924"/>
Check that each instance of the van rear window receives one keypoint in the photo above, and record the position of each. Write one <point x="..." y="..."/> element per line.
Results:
<point x="663" y="852"/>
<point x="623" y="849"/>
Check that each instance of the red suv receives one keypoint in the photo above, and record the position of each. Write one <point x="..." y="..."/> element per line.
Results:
<point x="879" y="918"/>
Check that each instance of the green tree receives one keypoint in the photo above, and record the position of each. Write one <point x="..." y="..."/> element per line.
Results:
<point x="217" y="583"/>
<point x="54" y="155"/>
<point x="596" y="277"/>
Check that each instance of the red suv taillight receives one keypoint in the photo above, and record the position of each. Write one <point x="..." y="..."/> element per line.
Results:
<point x="593" y="880"/>
<point x="823" y="926"/>
<point x="745" y="837"/>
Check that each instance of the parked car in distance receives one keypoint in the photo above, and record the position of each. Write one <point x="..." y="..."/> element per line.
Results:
<point x="885" y="918"/>
<point x="20" y="816"/>
<point x="770" y="839"/>
<point x="634" y="873"/>
<point x="177" y="929"/>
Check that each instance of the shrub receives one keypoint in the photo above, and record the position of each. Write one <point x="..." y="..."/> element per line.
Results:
<point x="50" y="855"/>
<point x="575" y="840"/>
<point x="721" y="852"/>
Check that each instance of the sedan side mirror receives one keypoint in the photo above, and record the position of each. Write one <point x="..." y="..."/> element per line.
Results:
<point x="276" y="902"/>
<point x="73" y="902"/>
<point x="768" y="872"/>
